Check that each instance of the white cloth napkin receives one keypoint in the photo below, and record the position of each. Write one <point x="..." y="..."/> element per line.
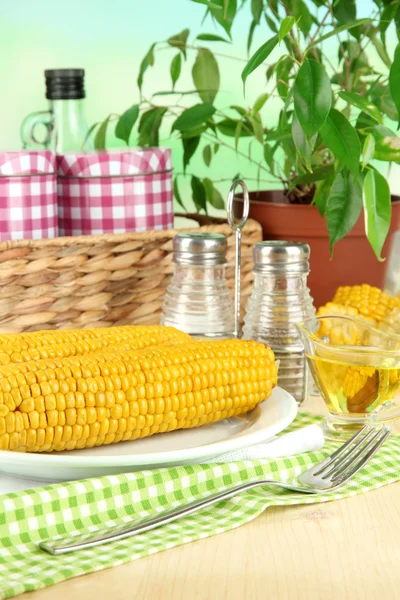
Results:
<point x="306" y="439"/>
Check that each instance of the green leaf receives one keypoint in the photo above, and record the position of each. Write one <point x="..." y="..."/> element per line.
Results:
<point x="189" y="148"/>
<point x="211" y="37"/>
<point x="363" y="104"/>
<point x="377" y="210"/>
<point x="194" y="131"/>
<point x="271" y="23"/>
<point x="100" y="137"/>
<point x="224" y="15"/>
<point x="228" y="127"/>
<point x="207" y="155"/>
<point x="259" y="56"/>
<point x="239" y="109"/>
<point x="213" y="196"/>
<point x="381" y="50"/>
<point x="394" y="81"/>
<point x="397" y="20"/>
<point x="238" y="131"/>
<point x="299" y="10"/>
<point x="250" y="36"/>
<point x="177" y="195"/>
<point x="303" y="146"/>
<point x="387" y="144"/>
<point x="269" y="156"/>
<point x="126" y="122"/>
<point x="179" y="41"/>
<point x="312" y="96"/>
<point x="368" y="149"/>
<point x="387" y="16"/>
<point x="216" y="148"/>
<point x="148" y="61"/>
<point x="388" y="106"/>
<point x="336" y="30"/>
<point x="259" y="103"/>
<point x="321" y="195"/>
<point x="226" y="6"/>
<point x="193" y="116"/>
<point x="89" y="133"/>
<point x="175" y="69"/>
<point x="258" y="128"/>
<point x="149" y="126"/>
<point x="282" y="76"/>
<point x="344" y="207"/>
<point x="198" y="193"/>
<point x="205" y="75"/>
<point x="345" y="10"/>
<point x="317" y="175"/>
<point x="286" y="26"/>
<point x="256" y="10"/>
<point x="342" y="139"/>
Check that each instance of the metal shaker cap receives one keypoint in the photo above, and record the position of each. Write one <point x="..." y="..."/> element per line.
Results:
<point x="281" y="257"/>
<point x="196" y="248"/>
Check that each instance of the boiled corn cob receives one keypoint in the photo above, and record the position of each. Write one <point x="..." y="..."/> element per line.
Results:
<point x="106" y="397"/>
<point x="369" y="301"/>
<point x="16" y="348"/>
<point x="363" y="302"/>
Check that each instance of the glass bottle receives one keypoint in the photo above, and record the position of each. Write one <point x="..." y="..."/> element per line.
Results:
<point x="280" y="299"/>
<point x="65" y="123"/>
<point x="198" y="300"/>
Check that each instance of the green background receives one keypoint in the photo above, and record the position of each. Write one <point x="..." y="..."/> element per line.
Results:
<point x="109" y="40"/>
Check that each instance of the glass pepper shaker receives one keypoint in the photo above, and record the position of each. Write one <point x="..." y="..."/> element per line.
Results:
<point x="279" y="300"/>
<point x="198" y="300"/>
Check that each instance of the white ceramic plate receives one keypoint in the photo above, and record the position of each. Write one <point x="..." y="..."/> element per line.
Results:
<point x="183" y="447"/>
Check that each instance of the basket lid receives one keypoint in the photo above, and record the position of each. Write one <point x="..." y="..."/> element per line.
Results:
<point x="27" y="162"/>
<point x="114" y="162"/>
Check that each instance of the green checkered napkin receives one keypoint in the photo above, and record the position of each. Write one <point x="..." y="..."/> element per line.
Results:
<point x="69" y="508"/>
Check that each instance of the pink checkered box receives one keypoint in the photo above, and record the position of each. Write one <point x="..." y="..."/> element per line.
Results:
<point x="115" y="192"/>
<point x="28" y="195"/>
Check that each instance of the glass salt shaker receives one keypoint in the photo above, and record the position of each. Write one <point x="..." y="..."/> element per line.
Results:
<point x="281" y="298"/>
<point x="198" y="300"/>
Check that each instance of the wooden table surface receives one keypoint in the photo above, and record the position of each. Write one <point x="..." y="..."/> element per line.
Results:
<point x="346" y="549"/>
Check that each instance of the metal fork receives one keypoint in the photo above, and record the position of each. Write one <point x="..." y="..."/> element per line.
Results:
<point x="325" y="476"/>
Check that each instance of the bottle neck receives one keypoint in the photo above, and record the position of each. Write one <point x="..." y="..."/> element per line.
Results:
<point x="69" y="125"/>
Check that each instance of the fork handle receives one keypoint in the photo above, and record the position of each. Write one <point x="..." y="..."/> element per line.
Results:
<point x="112" y="534"/>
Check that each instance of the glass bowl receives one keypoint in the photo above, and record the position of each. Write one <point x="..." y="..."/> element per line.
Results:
<point x="356" y="368"/>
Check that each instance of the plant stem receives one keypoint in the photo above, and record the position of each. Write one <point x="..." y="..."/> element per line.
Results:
<point x="243" y="60"/>
<point x="320" y="26"/>
<point x="222" y="143"/>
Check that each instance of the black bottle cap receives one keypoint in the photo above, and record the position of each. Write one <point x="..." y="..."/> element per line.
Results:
<point x="64" y="84"/>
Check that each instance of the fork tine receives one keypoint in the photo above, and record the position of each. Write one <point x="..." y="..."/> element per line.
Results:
<point x="344" y="474"/>
<point x="344" y="456"/>
<point x="342" y="450"/>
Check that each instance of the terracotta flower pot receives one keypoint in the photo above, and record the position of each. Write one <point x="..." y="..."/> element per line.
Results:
<point x="353" y="261"/>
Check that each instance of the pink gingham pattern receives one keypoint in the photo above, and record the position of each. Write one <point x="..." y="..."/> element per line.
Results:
<point x="113" y="163"/>
<point x="27" y="162"/>
<point x="115" y="192"/>
<point x="28" y="207"/>
<point x="28" y="195"/>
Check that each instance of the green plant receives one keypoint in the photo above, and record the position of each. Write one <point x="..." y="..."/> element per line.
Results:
<point x="334" y="104"/>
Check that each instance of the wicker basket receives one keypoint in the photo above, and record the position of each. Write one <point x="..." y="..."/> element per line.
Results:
<point x="98" y="281"/>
